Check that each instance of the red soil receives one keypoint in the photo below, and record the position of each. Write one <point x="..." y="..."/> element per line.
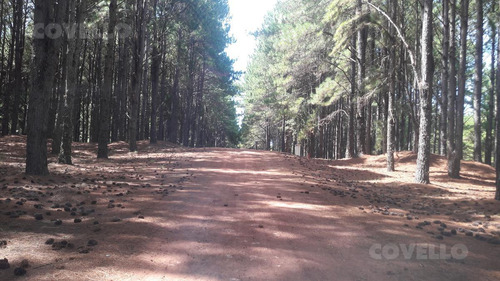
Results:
<point x="223" y="214"/>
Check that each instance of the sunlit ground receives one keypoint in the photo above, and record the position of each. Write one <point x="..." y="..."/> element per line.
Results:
<point x="216" y="214"/>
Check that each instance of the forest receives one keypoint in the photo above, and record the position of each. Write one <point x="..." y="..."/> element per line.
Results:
<point x="361" y="142"/>
<point x="107" y="71"/>
<point x="339" y="78"/>
<point x="348" y="78"/>
<point x="334" y="79"/>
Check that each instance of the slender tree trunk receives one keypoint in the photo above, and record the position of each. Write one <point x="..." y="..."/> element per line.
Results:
<point x="361" y="59"/>
<point x="268" y="138"/>
<point x="189" y="95"/>
<point x="369" y="32"/>
<point x="19" y="52"/>
<point x="116" y="100"/>
<point x="416" y="132"/>
<point x="106" y="94"/>
<point x="77" y="116"/>
<point x="321" y="144"/>
<point x="414" y="89"/>
<point x="382" y="115"/>
<point x="444" y="78"/>
<point x="153" y="137"/>
<point x="163" y="96"/>
<point x="85" y="117"/>
<point x="390" y="123"/>
<point x="73" y="56"/>
<point x="497" y="194"/>
<point x="464" y="21"/>
<point x="145" y="113"/>
<point x="3" y="39"/>
<point x="478" y="81"/>
<point x="173" y="126"/>
<point x="138" y="54"/>
<point x="122" y="92"/>
<point x="350" y="152"/>
<point x="368" y="127"/>
<point x="437" y="132"/>
<point x="488" y="150"/>
<point x="61" y="88"/>
<point x="392" y="90"/>
<point x="283" y="135"/>
<point x="96" y="91"/>
<point x="427" y="70"/>
<point x="7" y="99"/>
<point x="155" y="69"/>
<point x="199" y="105"/>
<point x="452" y="153"/>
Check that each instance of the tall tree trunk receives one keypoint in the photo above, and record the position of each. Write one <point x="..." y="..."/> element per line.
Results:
<point x="107" y="92"/>
<point x="163" y="95"/>
<point x="77" y="116"/>
<point x="478" y="81"/>
<point x="361" y="59"/>
<point x="497" y="194"/>
<point x="464" y="21"/>
<point x="45" y="52"/>
<point x="155" y="69"/>
<point x="121" y="91"/>
<point x="452" y="153"/>
<point x="20" y="22"/>
<point x="73" y="56"/>
<point x="115" y="99"/>
<point x="61" y="88"/>
<point x="145" y="113"/>
<point x="392" y="90"/>
<point x="199" y="105"/>
<point x="350" y="152"/>
<point x="414" y="104"/>
<point x="138" y="55"/>
<point x="189" y="95"/>
<point x="153" y="136"/>
<point x="3" y="39"/>
<point x="444" y="78"/>
<point x="7" y="99"/>
<point x="173" y="123"/>
<point x="369" y="32"/>
<point x="488" y="149"/>
<point x="96" y="91"/>
<point x="425" y="87"/>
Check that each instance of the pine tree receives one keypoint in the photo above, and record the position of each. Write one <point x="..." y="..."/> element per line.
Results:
<point x="105" y="113"/>
<point x="478" y="81"/>
<point x="425" y="88"/>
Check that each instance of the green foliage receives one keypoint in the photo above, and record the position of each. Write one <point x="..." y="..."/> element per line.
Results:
<point x="283" y="75"/>
<point x="328" y="92"/>
<point x="303" y="69"/>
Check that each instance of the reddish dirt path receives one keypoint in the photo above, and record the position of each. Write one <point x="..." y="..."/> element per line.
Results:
<point x="220" y="214"/>
<point x="306" y="234"/>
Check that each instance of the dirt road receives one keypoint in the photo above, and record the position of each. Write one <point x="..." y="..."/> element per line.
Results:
<point x="246" y="215"/>
<point x="219" y="214"/>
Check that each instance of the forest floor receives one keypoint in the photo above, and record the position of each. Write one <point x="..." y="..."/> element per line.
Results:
<point x="171" y="213"/>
